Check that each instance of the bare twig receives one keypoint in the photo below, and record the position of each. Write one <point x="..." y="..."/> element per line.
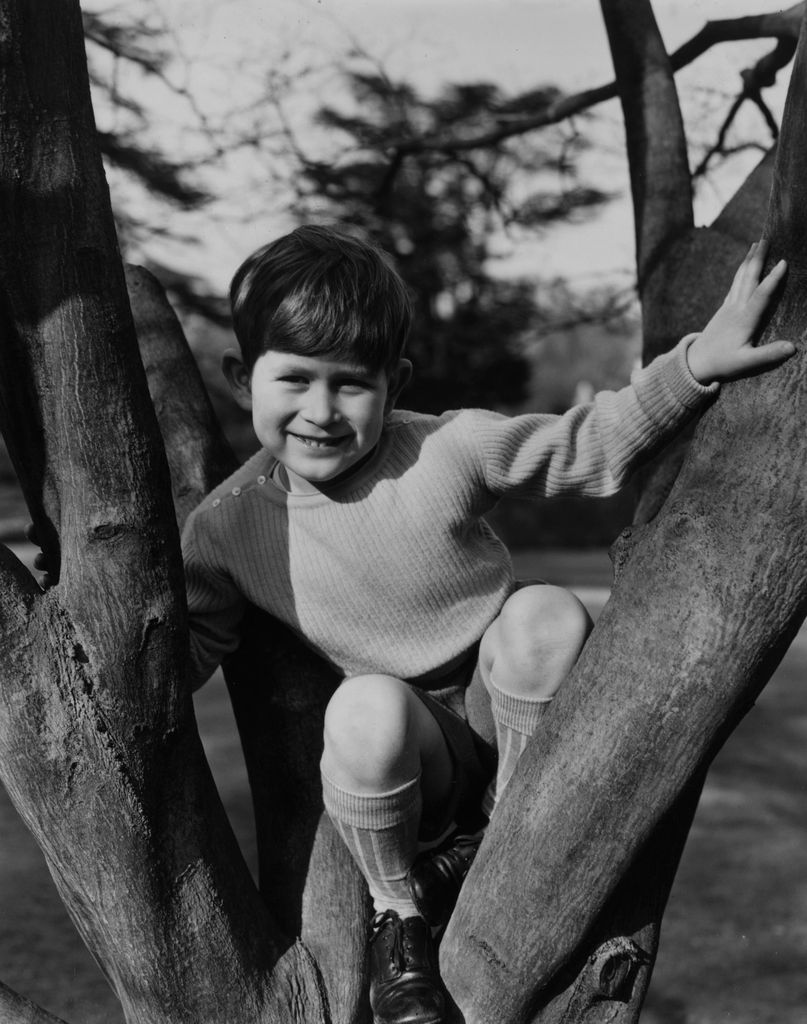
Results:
<point x="123" y="41"/>
<point x="761" y="75"/>
<point x="782" y="25"/>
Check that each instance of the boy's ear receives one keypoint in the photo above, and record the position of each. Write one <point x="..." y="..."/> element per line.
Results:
<point x="238" y="377"/>
<point x="398" y="379"/>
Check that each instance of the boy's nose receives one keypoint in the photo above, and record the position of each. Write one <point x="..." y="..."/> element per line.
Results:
<point x="320" y="407"/>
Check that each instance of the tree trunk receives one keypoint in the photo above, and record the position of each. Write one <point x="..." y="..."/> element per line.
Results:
<point x="279" y="690"/>
<point x="98" y="747"/>
<point x="705" y="604"/>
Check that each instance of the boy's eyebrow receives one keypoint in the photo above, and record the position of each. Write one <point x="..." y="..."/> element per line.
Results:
<point x="355" y="371"/>
<point x="342" y="369"/>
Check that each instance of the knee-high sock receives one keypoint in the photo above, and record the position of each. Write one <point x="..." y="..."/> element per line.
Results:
<point x="516" y="720"/>
<point x="381" y="832"/>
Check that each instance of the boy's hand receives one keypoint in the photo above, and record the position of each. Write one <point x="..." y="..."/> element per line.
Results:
<point x="723" y="349"/>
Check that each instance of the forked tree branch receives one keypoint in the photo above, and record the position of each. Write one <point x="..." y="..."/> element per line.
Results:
<point x="628" y="734"/>
<point x="99" y="750"/>
<point x="654" y="128"/>
<point x="755" y="79"/>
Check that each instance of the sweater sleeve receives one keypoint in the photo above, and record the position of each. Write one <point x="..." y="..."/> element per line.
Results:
<point x="215" y="607"/>
<point x="592" y="449"/>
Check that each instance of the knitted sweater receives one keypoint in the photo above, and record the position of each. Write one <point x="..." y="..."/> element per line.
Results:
<point x="394" y="570"/>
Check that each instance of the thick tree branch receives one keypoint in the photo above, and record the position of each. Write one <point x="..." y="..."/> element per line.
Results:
<point x="198" y="454"/>
<point x="628" y="732"/>
<point x="683" y="273"/>
<point x="695" y="275"/>
<point x="279" y="691"/>
<point x="657" y="156"/>
<point x="98" y="747"/>
<point x="783" y="25"/>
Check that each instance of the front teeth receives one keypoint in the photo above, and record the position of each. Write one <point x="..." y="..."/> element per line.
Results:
<point x="310" y="442"/>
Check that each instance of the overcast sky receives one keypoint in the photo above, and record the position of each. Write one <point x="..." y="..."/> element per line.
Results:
<point x="516" y="43"/>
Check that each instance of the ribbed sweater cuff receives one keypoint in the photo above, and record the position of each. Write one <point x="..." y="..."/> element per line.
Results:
<point x="677" y="379"/>
<point x="372" y="811"/>
<point x="517" y="713"/>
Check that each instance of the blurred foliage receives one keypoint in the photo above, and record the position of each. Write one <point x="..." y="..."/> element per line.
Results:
<point x="127" y="54"/>
<point x="437" y="211"/>
<point x="442" y="212"/>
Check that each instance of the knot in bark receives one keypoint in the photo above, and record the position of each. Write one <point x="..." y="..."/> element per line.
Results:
<point x="616" y="964"/>
<point x="623" y="547"/>
<point x="609" y="975"/>
<point x="107" y="531"/>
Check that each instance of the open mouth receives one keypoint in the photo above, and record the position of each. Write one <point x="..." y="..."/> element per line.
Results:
<point x="319" y="442"/>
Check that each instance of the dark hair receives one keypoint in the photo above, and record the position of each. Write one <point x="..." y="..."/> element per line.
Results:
<point x="318" y="291"/>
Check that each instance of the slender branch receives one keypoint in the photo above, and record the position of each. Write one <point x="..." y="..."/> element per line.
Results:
<point x="16" y="1009"/>
<point x="783" y="25"/>
<point x="718" y="146"/>
<point x="765" y="110"/>
<point x="761" y="75"/>
<point x="137" y="44"/>
<point x="122" y="41"/>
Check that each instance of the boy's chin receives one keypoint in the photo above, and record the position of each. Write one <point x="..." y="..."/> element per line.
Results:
<point x="318" y="477"/>
<point x="327" y="478"/>
<point x="320" y="473"/>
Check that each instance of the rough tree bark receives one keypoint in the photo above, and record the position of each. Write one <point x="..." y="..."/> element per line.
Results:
<point x="706" y="602"/>
<point x="98" y="747"/>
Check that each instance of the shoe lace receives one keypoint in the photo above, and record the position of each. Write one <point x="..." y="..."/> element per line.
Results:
<point x="400" y="950"/>
<point x="397" y="946"/>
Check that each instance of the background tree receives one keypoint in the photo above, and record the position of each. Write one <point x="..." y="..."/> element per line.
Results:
<point x="438" y="214"/>
<point x="97" y="742"/>
<point x="114" y="38"/>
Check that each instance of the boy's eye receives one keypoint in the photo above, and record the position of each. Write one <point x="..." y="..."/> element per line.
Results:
<point x="358" y="383"/>
<point x="293" y="378"/>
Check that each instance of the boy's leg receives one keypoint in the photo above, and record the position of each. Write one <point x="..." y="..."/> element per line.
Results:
<point x="525" y="655"/>
<point x="384" y="761"/>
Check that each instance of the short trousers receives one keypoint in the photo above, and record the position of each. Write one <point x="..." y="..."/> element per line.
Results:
<point x="473" y="757"/>
<point x="460" y="703"/>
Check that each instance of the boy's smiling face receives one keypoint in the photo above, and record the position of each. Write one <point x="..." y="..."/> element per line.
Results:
<point x="318" y="417"/>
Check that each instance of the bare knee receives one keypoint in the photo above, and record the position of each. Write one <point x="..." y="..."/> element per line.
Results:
<point x="547" y="614"/>
<point x="533" y="644"/>
<point x="367" y="734"/>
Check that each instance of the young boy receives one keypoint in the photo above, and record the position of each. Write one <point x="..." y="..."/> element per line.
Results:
<point x="361" y="528"/>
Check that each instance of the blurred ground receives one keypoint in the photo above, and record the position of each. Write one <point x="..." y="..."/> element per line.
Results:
<point x="734" y="944"/>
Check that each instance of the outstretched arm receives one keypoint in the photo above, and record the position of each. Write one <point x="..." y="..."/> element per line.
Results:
<point x="593" y="449"/>
<point x="724" y="349"/>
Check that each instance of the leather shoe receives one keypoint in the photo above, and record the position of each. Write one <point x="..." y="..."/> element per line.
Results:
<point x="436" y="877"/>
<point x="405" y="987"/>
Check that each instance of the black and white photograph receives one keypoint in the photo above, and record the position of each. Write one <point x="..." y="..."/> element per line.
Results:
<point x="403" y="512"/>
